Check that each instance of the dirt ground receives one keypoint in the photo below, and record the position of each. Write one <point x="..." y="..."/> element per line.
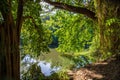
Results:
<point x="104" y="70"/>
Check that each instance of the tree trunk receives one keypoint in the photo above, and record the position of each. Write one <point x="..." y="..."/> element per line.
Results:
<point x="108" y="11"/>
<point x="9" y="51"/>
<point x="9" y="41"/>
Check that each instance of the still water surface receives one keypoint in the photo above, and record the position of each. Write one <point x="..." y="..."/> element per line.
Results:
<point x="46" y="67"/>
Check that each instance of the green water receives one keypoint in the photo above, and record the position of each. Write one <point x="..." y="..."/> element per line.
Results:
<point x="66" y="60"/>
<point x="49" y="63"/>
<point x="56" y="59"/>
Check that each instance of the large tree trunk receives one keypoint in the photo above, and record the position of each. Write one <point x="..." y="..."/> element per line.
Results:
<point x="9" y="48"/>
<point x="108" y="11"/>
<point x="9" y="41"/>
<point x="9" y="52"/>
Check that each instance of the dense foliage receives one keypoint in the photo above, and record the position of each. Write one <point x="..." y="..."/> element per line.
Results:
<point x="34" y="38"/>
<point x="75" y="32"/>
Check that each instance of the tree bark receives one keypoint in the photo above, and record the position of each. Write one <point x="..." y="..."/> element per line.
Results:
<point x="9" y="42"/>
<point x="109" y="34"/>
<point x="9" y="53"/>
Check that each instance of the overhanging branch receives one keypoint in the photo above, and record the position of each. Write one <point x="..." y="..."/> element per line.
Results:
<point x="74" y="9"/>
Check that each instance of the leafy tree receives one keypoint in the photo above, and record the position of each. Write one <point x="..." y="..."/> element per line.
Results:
<point x="14" y="16"/>
<point x="104" y="13"/>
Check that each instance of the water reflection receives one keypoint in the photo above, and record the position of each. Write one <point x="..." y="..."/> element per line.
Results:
<point x="65" y="61"/>
<point x="46" y="67"/>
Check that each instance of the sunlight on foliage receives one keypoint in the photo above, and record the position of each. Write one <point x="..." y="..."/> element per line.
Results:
<point x="74" y="31"/>
<point x="34" y="38"/>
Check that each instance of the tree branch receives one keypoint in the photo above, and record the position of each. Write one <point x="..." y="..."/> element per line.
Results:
<point x="74" y="9"/>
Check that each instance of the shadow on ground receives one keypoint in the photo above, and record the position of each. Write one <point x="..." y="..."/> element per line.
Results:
<point x="105" y="70"/>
